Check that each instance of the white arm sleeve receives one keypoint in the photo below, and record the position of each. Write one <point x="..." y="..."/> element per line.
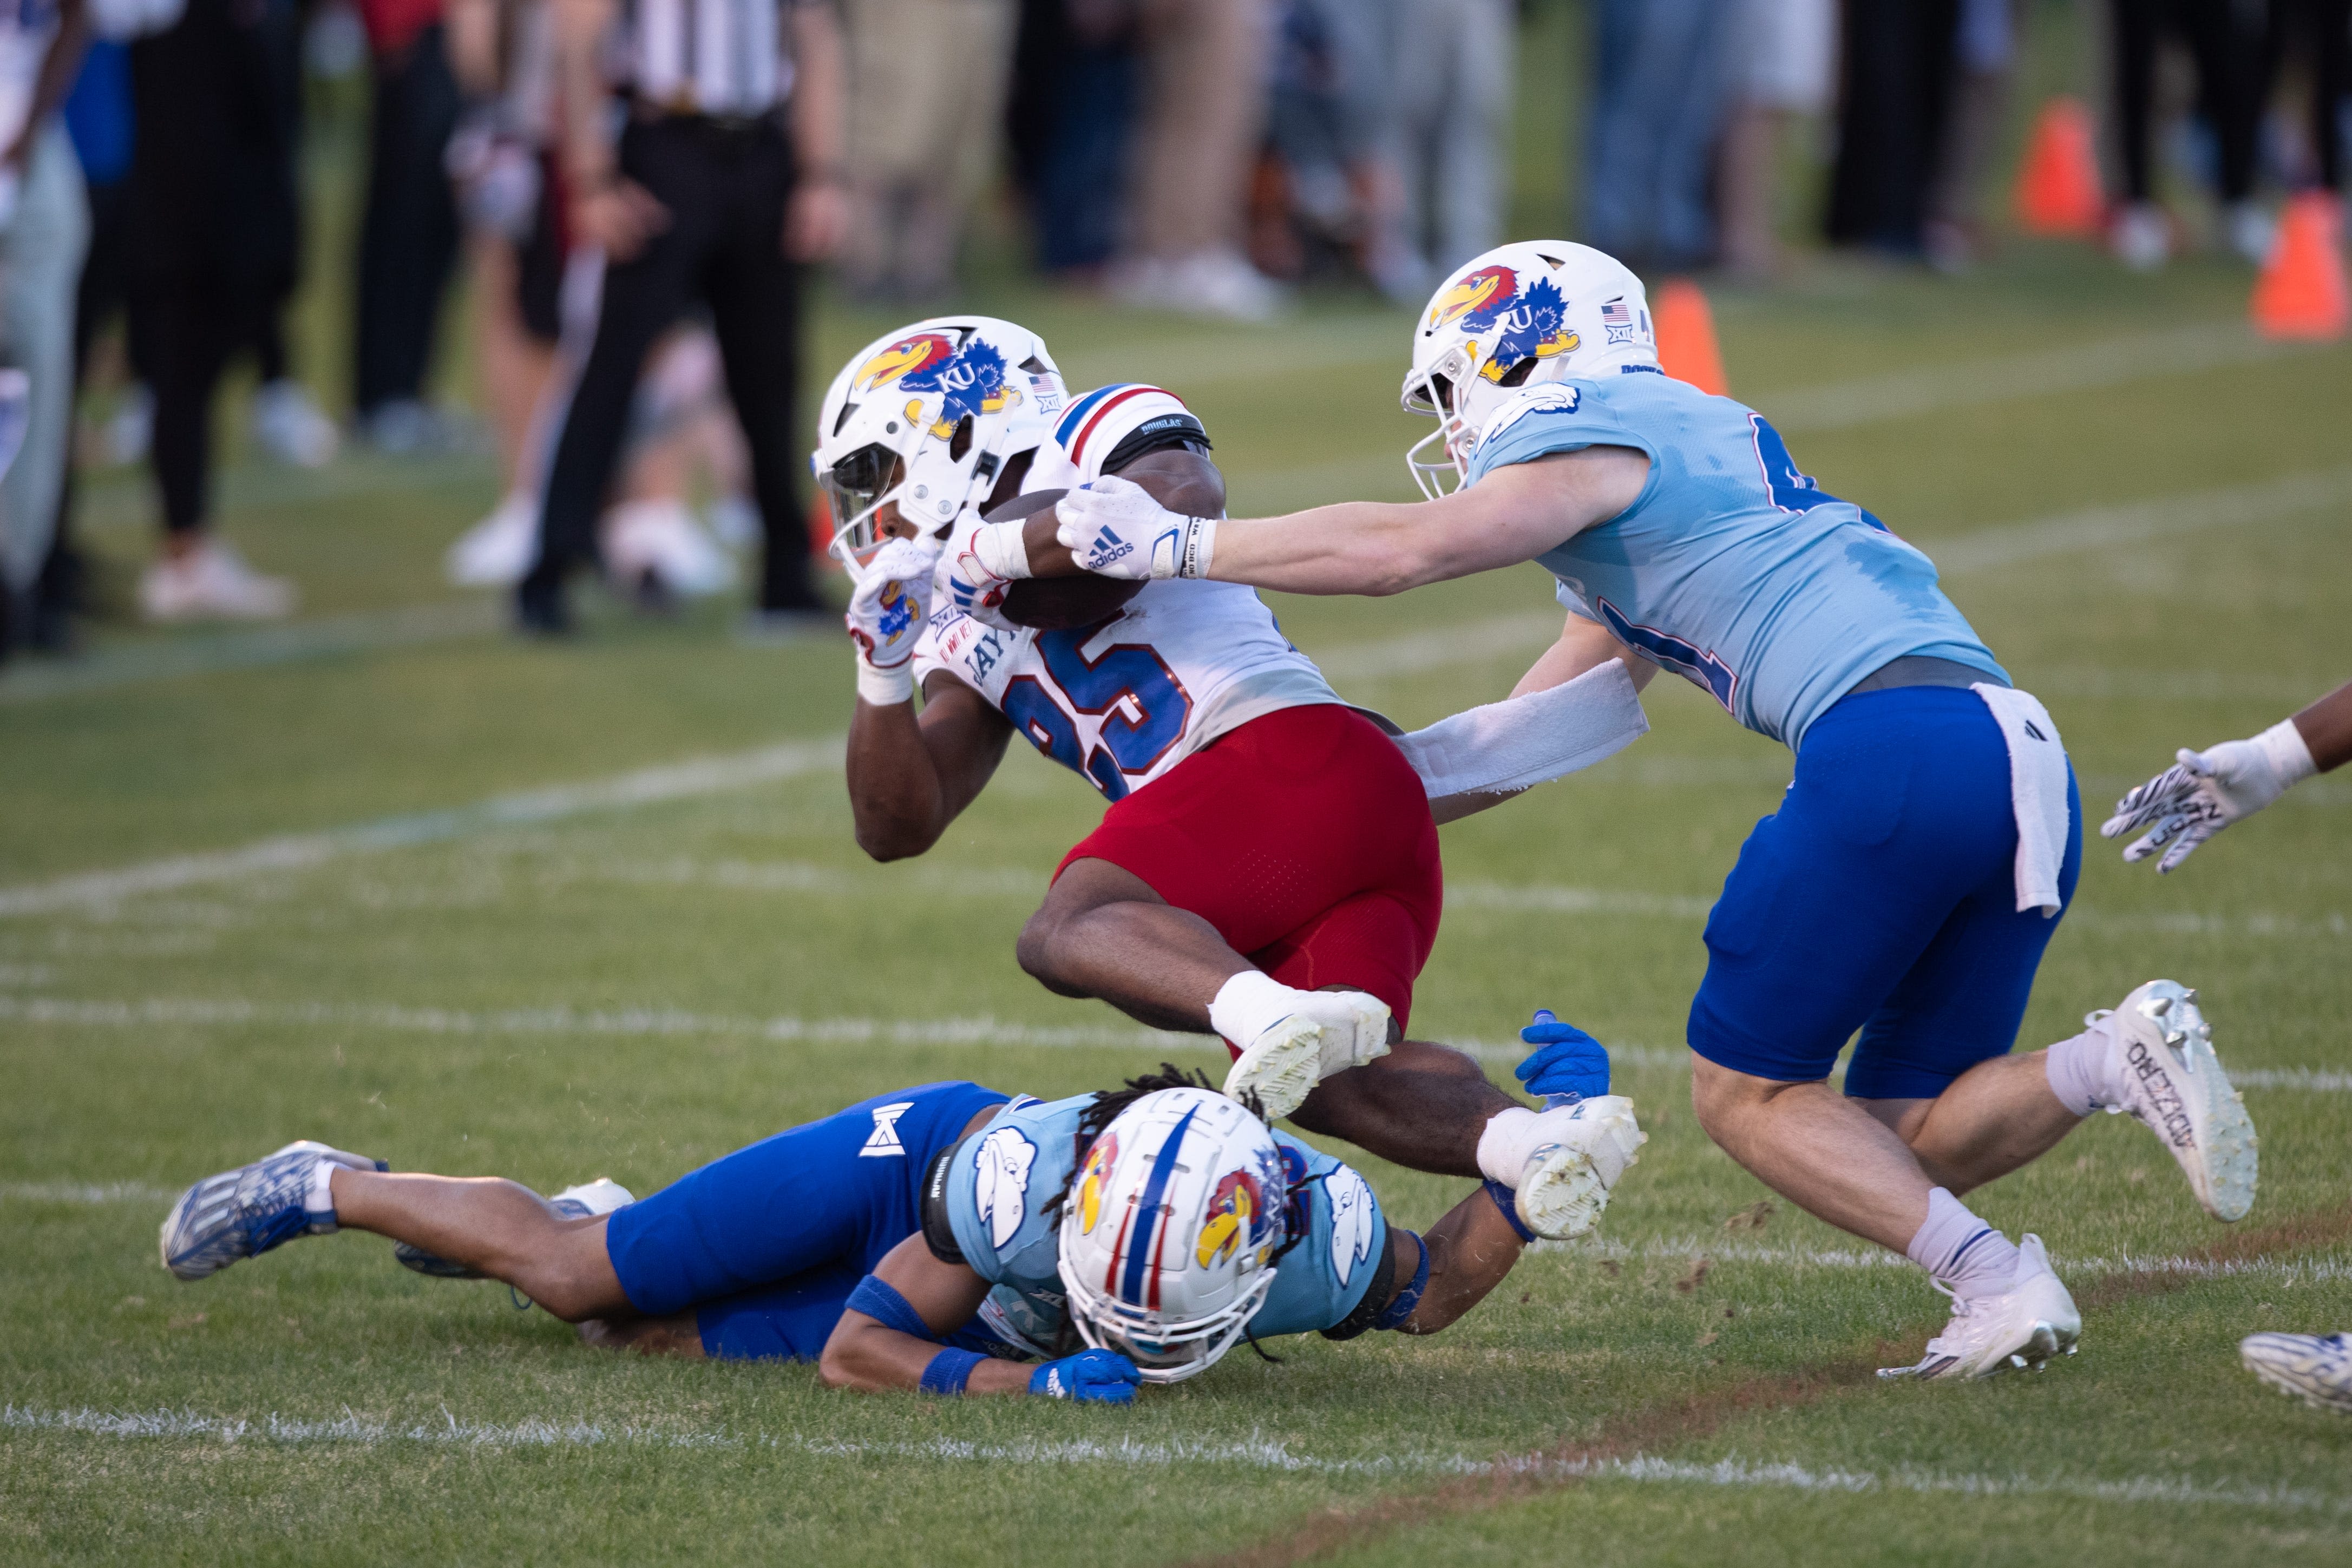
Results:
<point x="1529" y="740"/>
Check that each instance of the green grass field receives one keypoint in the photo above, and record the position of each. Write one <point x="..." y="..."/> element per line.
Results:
<point x="389" y="879"/>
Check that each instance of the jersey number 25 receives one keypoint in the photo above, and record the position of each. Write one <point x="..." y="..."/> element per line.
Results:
<point x="1144" y="707"/>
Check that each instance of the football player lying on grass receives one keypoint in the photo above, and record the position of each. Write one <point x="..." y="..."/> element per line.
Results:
<point x="1268" y="867"/>
<point x="946" y="1238"/>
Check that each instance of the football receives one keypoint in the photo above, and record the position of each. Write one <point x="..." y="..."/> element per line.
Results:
<point x="1053" y="603"/>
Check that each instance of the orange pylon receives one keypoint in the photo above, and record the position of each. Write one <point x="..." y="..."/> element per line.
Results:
<point x="2058" y="188"/>
<point x="2302" y="293"/>
<point x="1687" y="347"/>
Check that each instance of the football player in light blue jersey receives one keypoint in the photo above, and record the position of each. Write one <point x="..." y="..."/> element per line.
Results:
<point x="1911" y="879"/>
<point x="946" y="1238"/>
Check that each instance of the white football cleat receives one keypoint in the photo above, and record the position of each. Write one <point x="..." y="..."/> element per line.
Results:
<point x="1331" y="1033"/>
<point x="1568" y="1176"/>
<point x="2023" y="1326"/>
<point x="2174" y="1082"/>
<point x="245" y="1212"/>
<point x="2316" y="1370"/>
<point x="584" y="1201"/>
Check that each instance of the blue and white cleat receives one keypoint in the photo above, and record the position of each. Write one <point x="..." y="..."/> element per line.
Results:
<point x="245" y="1212"/>
<point x="2174" y="1083"/>
<point x="586" y="1201"/>
<point x="2315" y="1369"/>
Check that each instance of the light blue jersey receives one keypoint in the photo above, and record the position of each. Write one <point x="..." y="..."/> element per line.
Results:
<point x="1003" y="1175"/>
<point x="1733" y="569"/>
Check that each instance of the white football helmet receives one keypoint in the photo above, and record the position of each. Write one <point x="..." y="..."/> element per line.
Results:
<point x="1520" y="315"/>
<point x="1170" y="1231"/>
<point x="928" y="417"/>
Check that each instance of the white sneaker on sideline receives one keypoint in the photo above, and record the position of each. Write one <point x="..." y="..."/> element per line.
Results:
<point x="497" y="551"/>
<point x="1568" y="1178"/>
<point x="2023" y="1326"/>
<point x="2141" y="236"/>
<point x="662" y="538"/>
<point x="1218" y="283"/>
<point x="2174" y="1083"/>
<point x="289" y="426"/>
<point x="212" y="582"/>
<point x="2315" y="1369"/>
<point x="1331" y="1033"/>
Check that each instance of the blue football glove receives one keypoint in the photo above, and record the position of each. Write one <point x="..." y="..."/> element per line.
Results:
<point x="1567" y="1061"/>
<point x="1090" y="1377"/>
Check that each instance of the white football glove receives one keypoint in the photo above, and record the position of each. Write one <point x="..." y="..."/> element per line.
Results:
<point x="2207" y="790"/>
<point x="886" y="612"/>
<point x="1115" y="529"/>
<point x="981" y="561"/>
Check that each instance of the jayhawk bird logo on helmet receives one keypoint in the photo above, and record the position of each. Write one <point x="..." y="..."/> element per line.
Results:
<point x="907" y="357"/>
<point x="1534" y="322"/>
<point x="970" y="383"/>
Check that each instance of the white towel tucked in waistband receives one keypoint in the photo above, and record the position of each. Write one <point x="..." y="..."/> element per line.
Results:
<point x="2037" y="791"/>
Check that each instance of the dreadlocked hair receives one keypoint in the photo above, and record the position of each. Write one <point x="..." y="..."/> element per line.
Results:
<point x="1109" y="1103"/>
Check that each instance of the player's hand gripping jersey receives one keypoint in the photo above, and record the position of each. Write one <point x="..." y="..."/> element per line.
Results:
<point x="1125" y="700"/>
<point x="984" y="1206"/>
<point x="1733" y="569"/>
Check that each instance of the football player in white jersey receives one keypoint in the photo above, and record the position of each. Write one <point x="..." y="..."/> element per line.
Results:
<point x="1268" y="867"/>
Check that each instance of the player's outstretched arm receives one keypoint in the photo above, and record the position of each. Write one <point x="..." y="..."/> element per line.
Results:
<point x="1470" y="1252"/>
<point x="1358" y="547"/>
<point x="868" y="1354"/>
<point x="1184" y="481"/>
<point x="910" y="775"/>
<point x="2205" y="791"/>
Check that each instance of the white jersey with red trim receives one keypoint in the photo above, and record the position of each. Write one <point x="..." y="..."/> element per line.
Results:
<point x="1123" y="701"/>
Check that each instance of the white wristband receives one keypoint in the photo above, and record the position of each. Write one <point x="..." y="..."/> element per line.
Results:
<point x="1000" y="547"/>
<point x="1185" y="551"/>
<point x="2289" y="753"/>
<point x="886" y="688"/>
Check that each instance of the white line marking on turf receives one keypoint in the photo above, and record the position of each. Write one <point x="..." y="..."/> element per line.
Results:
<point x="644" y="786"/>
<point x="84" y="1192"/>
<point x="2134" y="522"/>
<point x="1254" y="1453"/>
<point x="1905" y="394"/>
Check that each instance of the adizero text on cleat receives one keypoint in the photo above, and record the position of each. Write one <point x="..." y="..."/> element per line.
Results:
<point x="1568" y="1176"/>
<point x="2021" y="1328"/>
<point x="2313" y="1368"/>
<point x="245" y="1212"/>
<point x="2174" y="1083"/>
<point x="584" y="1201"/>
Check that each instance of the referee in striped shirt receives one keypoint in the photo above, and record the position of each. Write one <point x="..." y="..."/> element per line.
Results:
<point x="726" y="178"/>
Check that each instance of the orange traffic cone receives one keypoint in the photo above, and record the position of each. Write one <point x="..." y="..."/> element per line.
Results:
<point x="2302" y="293"/>
<point x="2058" y="188"/>
<point x="1686" y="349"/>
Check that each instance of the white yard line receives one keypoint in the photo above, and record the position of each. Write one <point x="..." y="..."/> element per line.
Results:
<point x="2137" y="522"/>
<point x="274" y="1430"/>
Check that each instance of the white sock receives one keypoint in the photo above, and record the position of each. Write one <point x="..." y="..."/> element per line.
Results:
<point x="319" y="1197"/>
<point x="1510" y="1136"/>
<point x="1960" y="1251"/>
<point x="1249" y="1004"/>
<point x="2082" y="1071"/>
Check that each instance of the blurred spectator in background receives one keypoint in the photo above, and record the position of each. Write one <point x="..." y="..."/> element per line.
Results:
<point x="2227" y="39"/>
<point x="1328" y="195"/>
<point x="509" y="195"/>
<point x="408" y="236"/>
<point x="214" y="243"/>
<point x="1780" y="71"/>
<point x="2318" y="33"/>
<point x="1204" y="65"/>
<point x="706" y="197"/>
<point x="1984" y="58"/>
<point x="927" y="82"/>
<point x="1894" y="102"/>
<point x="1454" y="69"/>
<point x="44" y="227"/>
<point x="1662" y="69"/>
<point x="1073" y="104"/>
